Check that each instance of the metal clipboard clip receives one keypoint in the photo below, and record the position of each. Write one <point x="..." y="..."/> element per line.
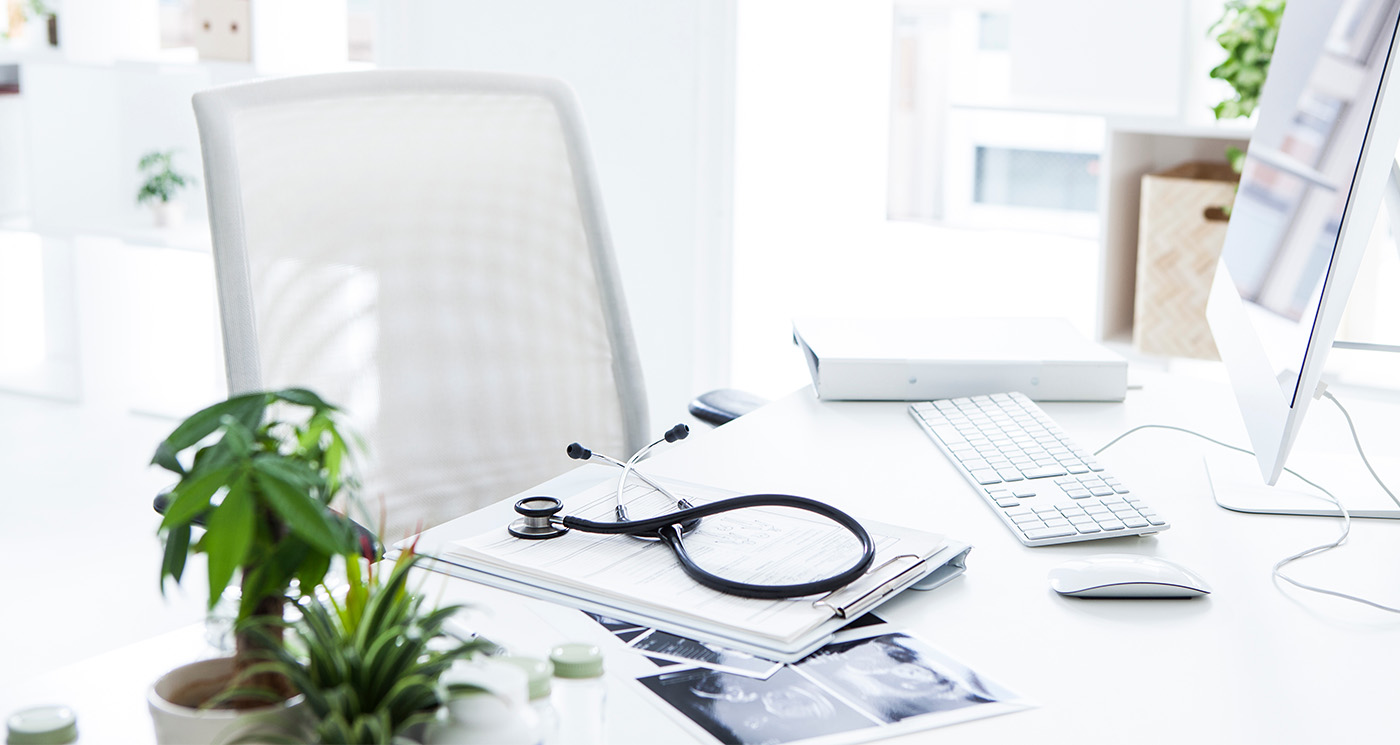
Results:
<point x="880" y="582"/>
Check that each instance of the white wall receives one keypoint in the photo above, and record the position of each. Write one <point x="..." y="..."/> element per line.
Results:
<point x="653" y="81"/>
<point x="811" y="237"/>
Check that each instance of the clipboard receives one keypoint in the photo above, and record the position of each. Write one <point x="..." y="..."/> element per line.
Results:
<point x="489" y="556"/>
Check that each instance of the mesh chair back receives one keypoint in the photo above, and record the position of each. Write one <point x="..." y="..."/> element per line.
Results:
<point x="426" y="249"/>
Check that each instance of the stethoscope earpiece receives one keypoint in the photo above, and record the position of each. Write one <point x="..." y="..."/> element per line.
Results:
<point x="537" y="521"/>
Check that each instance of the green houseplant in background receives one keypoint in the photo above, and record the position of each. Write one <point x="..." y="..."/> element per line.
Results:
<point x="1247" y="31"/>
<point x="277" y="460"/>
<point x="161" y="185"/>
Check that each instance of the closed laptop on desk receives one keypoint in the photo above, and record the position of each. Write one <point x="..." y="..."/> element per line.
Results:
<point x="925" y="359"/>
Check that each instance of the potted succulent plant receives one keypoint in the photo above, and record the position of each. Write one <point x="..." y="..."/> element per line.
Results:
<point x="161" y="185"/>
<point x="367" y="658"/>
<point x="259" y="473"/>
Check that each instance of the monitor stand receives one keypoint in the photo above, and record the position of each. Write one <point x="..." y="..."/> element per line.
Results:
<point x="1237" y="485"/>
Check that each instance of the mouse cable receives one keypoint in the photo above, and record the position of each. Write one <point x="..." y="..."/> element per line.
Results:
<point x="1345" y="516"/>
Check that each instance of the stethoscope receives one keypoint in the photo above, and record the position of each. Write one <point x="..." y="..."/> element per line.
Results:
<point x="539" y="520"/>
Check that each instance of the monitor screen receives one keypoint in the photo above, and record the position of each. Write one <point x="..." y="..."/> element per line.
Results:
<point x="1307" y="203"/>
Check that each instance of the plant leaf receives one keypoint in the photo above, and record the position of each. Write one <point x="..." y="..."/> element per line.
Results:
<point x="177" y="549"/>
<point x="165" y="458"/>
<point x="191" y="497"/>
<point x="304" y="516"/>
<point x="228" y="534"/>
<point x="201" y="424"/>
<point x="303" y="397"/>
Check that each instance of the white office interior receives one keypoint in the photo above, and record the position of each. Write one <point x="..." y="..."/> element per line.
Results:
<point x="759" y="160"/>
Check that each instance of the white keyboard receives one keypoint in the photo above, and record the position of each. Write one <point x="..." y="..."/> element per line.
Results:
<point x="1046" y="488"/>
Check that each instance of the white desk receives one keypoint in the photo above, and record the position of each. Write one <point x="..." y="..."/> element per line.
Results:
<point x="1251" y="663"/>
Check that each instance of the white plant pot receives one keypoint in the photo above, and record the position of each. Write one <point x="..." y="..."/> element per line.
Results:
<point x="173" y="702"/>
<point x="168" y="214"/>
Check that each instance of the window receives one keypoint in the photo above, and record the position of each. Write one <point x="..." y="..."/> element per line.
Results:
<point x="1043" y="179"/>
<point x="963" y="152"/>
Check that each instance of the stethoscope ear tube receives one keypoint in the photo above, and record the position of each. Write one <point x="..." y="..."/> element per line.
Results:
<point x="663" y="527"/>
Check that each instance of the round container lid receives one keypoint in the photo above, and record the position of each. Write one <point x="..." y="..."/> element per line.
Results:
<point x="540" y="672"/>
<point x="42" y="725"/>
<point x="577" y="661"/>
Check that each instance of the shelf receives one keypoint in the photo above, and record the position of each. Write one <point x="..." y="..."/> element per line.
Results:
<point x="1134" y="148"/>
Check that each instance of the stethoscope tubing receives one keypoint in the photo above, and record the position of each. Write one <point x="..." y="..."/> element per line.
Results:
<point x="664" y="527"/>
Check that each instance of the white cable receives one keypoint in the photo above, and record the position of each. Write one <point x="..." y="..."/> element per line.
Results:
<point x="1345" y="514"/>
<point x="1357" y="439"/>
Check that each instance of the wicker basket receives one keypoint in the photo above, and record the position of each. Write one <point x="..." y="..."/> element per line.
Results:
<point x="1181" y="230"/>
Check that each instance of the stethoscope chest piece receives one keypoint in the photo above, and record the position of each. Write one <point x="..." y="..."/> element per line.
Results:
<point x="537" y="519"/>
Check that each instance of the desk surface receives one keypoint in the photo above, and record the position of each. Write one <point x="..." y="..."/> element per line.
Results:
<point x="1252" y="663"/>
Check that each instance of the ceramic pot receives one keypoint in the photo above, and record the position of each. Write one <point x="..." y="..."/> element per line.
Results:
<point x="168" y="214"/>
<point x="174" y="699"/>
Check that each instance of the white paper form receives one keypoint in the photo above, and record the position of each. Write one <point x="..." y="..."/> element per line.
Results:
<point x="766" y="545"/>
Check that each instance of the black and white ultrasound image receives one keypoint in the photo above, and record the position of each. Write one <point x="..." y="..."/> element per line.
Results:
<point x="739" y="710"/>
<point x="894" y="676"/>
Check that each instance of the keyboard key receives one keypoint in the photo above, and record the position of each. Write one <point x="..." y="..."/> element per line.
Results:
<point x="985" y="476"/>
<point x="1038" y="533"/>
<point x="1111" y="525"/>
<point x="1135" y="522"/>
<point x="1044" y="471"/>
<point x="1089" y="527"/>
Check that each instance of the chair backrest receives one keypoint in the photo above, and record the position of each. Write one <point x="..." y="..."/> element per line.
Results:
<point x="427" y="249"/>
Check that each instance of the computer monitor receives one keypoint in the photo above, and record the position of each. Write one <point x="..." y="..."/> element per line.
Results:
<point x="1309" y="195"/>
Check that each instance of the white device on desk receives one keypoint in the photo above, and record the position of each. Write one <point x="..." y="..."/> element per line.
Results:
<point x="920" y="359"/>
<point x="1041" y="483"/>
<point x="1126" y="576"/>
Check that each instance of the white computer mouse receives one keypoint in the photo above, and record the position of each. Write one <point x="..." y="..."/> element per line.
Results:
<point x="1126" y="576"/>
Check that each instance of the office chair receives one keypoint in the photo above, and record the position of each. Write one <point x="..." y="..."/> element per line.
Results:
<point x="427" y="249"/>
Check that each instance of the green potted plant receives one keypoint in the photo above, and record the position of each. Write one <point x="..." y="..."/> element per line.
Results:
<point x="259" y="472"/>
<point x="161" y="185"/>
<point x="1247" y="31"/>
<point x="369" y="660"/>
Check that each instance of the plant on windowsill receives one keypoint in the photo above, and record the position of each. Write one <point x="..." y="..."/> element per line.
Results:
<point x="259" y="471"/>
<point x="368" y="660"/>
<point x="1247" y="31"/>
<point x="161" y="186"/>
